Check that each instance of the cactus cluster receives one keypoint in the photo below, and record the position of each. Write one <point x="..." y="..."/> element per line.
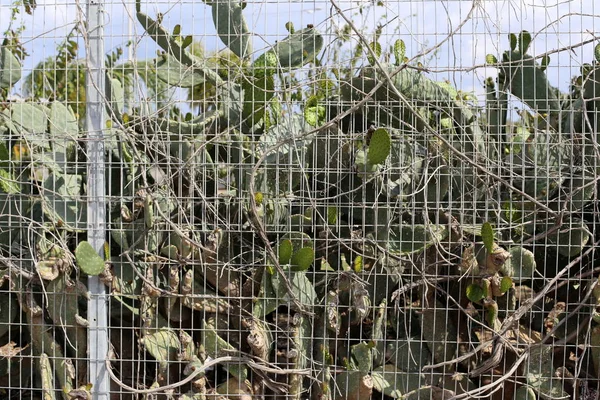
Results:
<point x="270" y="267"/>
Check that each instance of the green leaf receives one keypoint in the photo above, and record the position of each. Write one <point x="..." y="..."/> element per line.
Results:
<point x="399" y="51"/>
<point x="379" y="147"/>
<point x="524" y="41"/>
<point x="303" y="259"/>
<point x="88" y="260"/>
<point x="512" y="38"/>
<point x="285" y="251"/>
<point x="177" y="30"/>
<point x="597" y="52"/>
<point x="491" y="59"/>
<point x="475" y="293"/>
<point x="487" y="234"/>
<point x="505" y="284"/>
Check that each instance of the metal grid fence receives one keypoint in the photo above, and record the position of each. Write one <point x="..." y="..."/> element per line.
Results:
<point x="304" y="200"/>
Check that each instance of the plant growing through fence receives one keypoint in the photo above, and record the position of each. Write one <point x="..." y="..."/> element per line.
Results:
<point x="415" y="149"/>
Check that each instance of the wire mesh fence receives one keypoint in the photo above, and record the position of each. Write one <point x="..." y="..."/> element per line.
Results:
<point x="300" y="200"/>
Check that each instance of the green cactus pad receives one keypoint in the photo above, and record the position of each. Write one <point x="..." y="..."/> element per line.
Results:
<point x="393" y="382"/>
<point x="411" y="239"/>
<point x="525" y="393"/>
<point x="216" y="346"/>
<point x="539" y="372"/>
<point x="9" y="309"/>
<point x="62" y="202"/>
<point x="163" y="345"/>
<point x="399" y="50"/>
<point x="409" y="354"/>
<point x="10" y="68"/>
<point x="380" y="146"/>
<point x="231" y="26"/>
<point x="571" y="241"/>
<point x="355" y="385"/>
<point x="302" y="289"/>
<point x="524" y="41"/>
<point x="285" y="251"/>
<point x="88" y="259"/>
<point x="29" y="117"/>
<point x="487" y="235"/>
<point x="521" y="264"/>
<point x="294" y="51"/>
<point x="302" y="259"/>
<point x="526" y="80"/>
<point x="173" y="73"/>
<point x="362" y="356"/>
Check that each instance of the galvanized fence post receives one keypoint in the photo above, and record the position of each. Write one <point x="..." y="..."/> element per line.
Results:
<point x="96" y="206"/>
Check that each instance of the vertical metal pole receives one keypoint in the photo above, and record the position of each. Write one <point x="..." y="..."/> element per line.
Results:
<point x="96" y="207"/>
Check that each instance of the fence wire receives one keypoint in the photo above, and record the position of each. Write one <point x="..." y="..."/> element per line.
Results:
<point x="301" y="200"/>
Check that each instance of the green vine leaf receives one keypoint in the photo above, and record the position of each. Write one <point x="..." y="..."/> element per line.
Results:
<point x="597" y="52"/>
<point x="475" y="293"/>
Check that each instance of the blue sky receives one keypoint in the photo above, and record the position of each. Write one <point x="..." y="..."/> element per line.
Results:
<point x="420" y="23"/>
